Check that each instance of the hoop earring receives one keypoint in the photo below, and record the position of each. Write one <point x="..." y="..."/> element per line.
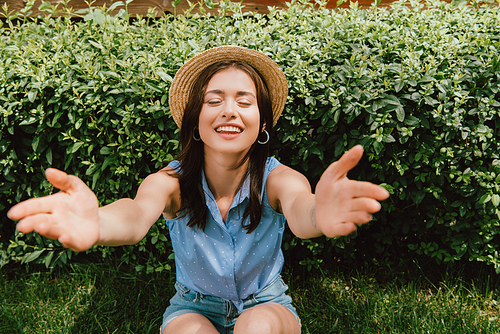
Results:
<point x="194" y="137"/>
<point x="265" y="141"/>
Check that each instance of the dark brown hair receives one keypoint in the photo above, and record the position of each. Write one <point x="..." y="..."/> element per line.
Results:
<point x="191" y="157"/>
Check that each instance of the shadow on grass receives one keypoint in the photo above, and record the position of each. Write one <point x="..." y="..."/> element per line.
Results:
<point x="106" y="297"/>
<point x="461" y="298"/>
<point x="83" y="298"/>
<point x="9" y="323"/>
<point x="125" y="302"/>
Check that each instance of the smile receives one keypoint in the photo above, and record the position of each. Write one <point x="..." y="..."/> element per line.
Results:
<point x="228" y="129"/>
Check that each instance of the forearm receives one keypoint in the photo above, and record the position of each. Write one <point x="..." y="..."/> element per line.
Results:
<point x="122" y="223"/>
<point x="302" y="217"/>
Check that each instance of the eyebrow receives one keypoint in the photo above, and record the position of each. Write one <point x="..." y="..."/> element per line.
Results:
<point x="220" y="92"/>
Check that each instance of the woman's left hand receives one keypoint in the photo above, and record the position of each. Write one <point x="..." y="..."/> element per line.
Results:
<point x="342" y="204"/>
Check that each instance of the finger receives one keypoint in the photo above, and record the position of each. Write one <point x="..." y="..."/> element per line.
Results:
<point x="28" y="224"/>
<point x="357" y="217"/>
<point x="33" y="206"/>
<point x="63" y="181"/>
<point x="340" y="230"/>
<point x="348" y="161"/>
<point x="57" y="177"/>
<point x="364" y="204"/>
<point x="43" y="224"/>
<point x="351" y="221"/>
<point x="366" y="189"/>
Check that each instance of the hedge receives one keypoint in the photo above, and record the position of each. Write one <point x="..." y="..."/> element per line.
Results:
<point x="417" y="84"/>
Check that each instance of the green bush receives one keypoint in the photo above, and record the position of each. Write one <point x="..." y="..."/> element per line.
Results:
<point x="416" y="84"/>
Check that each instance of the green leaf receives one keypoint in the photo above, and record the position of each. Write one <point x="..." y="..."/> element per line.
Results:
<point x="76" y="146"/>
<point x="30" y="257"/>
<point x="484" y="199"/>
<point x="310" y="100"/>
<point x="389" y="139"/>
<point x="164" y="76"/>
<point x="114" y="5"/>
<point x="426" y="78"/>
<point x="63" y="256"/>
<point x="400" y="113"/>
<point x="399" y="85"/>
<point x="95" y="178"/>
<point x="392" y="100"/>
<point x="32" y="95"/>
<point x="48" y="156"/>
<point x="48" y="259"/>
<point x="34" y="143"/>
<point x="97" y="45"/>
<point x="107" y="162"/>
<point x="92" y="169"/>
<point x="56" y="118"/>
<point x="28" y="121"/>
<point x="154" y="87"/>
<point x="412" y="120"/>
<point x="106" y="150"/>
<point x="495" y="200"/>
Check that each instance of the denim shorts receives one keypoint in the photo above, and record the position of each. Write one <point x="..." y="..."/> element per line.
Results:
<point x="223" y="314"/>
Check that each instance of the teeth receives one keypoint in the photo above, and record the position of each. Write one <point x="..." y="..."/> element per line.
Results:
<point x="228" y="129"/>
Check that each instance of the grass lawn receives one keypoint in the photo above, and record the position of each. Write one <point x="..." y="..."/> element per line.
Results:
<point x="106" y="297"/>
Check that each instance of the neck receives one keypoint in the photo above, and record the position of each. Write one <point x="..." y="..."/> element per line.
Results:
<point x="223" y="178"/>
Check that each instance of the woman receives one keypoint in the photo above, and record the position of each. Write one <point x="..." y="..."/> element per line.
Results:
<point x="224" y="200"/>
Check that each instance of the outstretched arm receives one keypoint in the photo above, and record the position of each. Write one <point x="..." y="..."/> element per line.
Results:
<point x="74" y="218"/>
<point x="338" y="205"/>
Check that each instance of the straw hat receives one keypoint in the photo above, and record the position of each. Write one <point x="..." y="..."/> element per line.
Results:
<point x="268" y="69"/>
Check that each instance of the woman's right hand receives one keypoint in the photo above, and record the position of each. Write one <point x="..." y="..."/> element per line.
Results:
<point x="71" y="215"/>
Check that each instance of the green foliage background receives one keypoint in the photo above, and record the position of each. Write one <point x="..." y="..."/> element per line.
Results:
<point x="416" y="84"/>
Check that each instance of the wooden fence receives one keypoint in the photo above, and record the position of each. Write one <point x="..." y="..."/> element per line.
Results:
<point x="140" y="7"/>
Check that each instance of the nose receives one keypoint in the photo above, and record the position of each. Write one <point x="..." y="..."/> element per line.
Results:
<point x="228" y="110"/>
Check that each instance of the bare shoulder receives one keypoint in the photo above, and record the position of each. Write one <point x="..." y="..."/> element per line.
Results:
<point x="284" y="173"/>
<point x="283" y="182"/>
<point x="161" y="188"/>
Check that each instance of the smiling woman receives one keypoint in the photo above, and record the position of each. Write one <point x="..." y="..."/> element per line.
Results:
<point x="230" y="112"/>
<point x="225" y="201"/>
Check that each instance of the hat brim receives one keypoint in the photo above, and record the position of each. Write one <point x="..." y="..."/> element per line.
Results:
<point x="187" y="74"/>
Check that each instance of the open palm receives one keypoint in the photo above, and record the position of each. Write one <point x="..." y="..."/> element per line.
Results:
<point x="71" y="215"/>
<point x="342" y="204"/>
